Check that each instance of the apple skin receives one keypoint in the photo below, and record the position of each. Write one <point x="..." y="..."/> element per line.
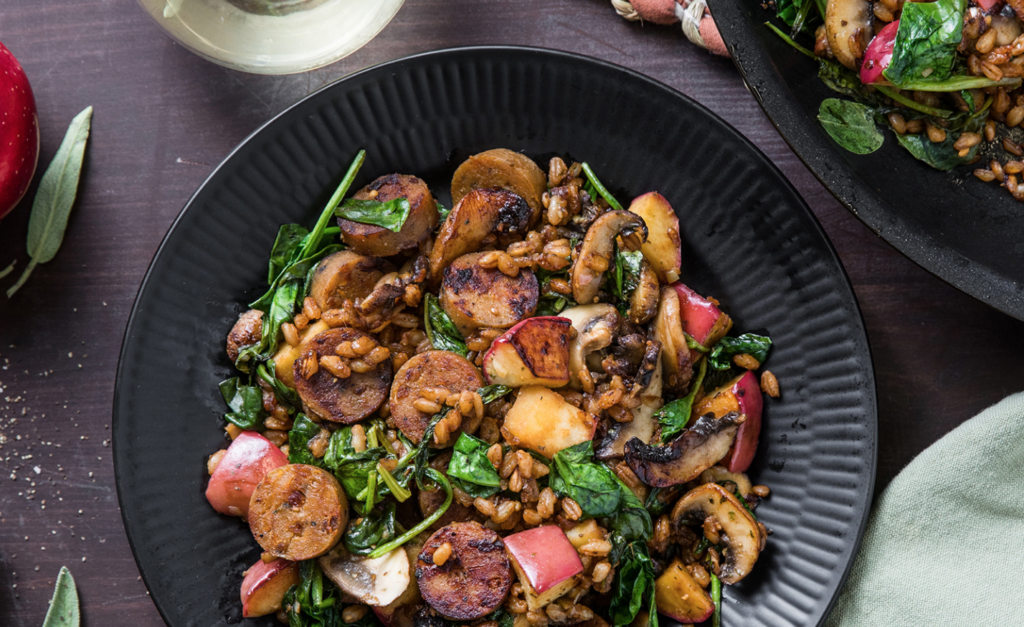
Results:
<point x="19" y="132"/>
<point x="546" y="563"/>
<point x="663" y="246"/>
<point x="533" y="352"/>
<point x="249" y="458"/>
<point x="265" y="585"/>
<point x="742" y="395"/>
<point x="702" y="320"/>
<point x="542" y="421"/>
<point x="678" y="595"/>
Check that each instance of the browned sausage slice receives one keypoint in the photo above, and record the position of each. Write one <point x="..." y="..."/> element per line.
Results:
<point x="504" y="169"/>
<point x="431" y="369"/>
<point x="248" y="330"/>
<point x="477" y="297"/>
<point x="375" y="240"/>
<point x="474" y="580"/>
<point x="298" y="512"/>
<point x="340" y="400"/>
<point x="346" y="275"/>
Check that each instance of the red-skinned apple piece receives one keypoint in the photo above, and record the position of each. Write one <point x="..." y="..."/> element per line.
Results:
<point x="265" y="585"/>
<point x="249" y="458"/>
<point x="702" y="319"/>
<point x="662" y="248"/>
<point x="19" y="132"/>
<point x="678" y="595"/>
<point x="542" y="421"/>
<point x="546" y="563"/>
<point x="533" y="352"/>
<point x="741" y="395"/>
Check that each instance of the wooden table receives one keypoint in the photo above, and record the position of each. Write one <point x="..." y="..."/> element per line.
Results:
<point x="164" y="118"/>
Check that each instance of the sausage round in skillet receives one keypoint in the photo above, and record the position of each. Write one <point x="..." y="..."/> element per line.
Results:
<point x="298" y="512"/>
<point x="476" y="577"/>
<point x="346" y="400"/>
<point x="476" y="297"/>
<point x="375" y="240"/>
<point x="346" y="275"/>
<point x="442" y="369"/>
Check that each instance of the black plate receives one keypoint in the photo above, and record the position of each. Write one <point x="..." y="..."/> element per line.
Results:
<point x="968" y="233"/>
<point x="748" y="239"/>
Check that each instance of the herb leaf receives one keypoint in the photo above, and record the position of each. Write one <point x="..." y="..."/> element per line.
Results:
<point x="675" y="416"/>
<point x="287" y="246"/>
<point x="594" y="184"/>
<point x="303" y="430"/>
<point x="378" y="527"/>
<point x="627" y="275"/>
<point x="63" y="610"/>
<point x="754" y="345"/>
<point x="246" y="403"/>
<point x="593" y="486"/>
<point x="57" y="190"/>
<point x="634" y="581"/>
<point x="926" y="43"/>
<point x="390" y="215"/>
<point x="941" y="155"/>
<point x="443" y="334"/>
<point x="469" y="465"/>
<point x="851" y="125"/>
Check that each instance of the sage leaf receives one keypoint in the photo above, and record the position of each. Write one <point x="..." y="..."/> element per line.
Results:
<point x="56" y="195"/>
<point x="63" y="610"/>
<point x="851" y="124"/>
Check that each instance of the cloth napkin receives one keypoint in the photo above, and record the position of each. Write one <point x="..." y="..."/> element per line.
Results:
<point x="945" y="541"/>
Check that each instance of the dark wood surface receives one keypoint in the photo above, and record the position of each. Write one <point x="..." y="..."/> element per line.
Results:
<point x="164" y="118"/>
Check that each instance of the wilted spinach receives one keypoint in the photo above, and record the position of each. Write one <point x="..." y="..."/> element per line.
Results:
<point x="303" y="430"/>
<point x="851" y="125"/>
<point x="470" y="468"/>
<point x="626" y="276"/>
<point x="352" y="468"/>
<point x="246" y="403"/>
<point x="939" y="155"/>
<point x="593" y="486"/>
<point x="595" y="188"/>
<point x="675" y="416"/>
<point x="926" y="42"/>
<point x="552" y="303"/>
<point x="634" y="582"/>
<point x="390" y="214"/>
<point x="441" y="331"/>
<point x="754" y="345"/>
<point x="377" y="527"/>
<point x="317" y="603"/>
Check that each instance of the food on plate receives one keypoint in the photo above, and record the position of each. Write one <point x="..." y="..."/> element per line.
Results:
<point x="517" y="416"/>
<point x="944" y="76"/>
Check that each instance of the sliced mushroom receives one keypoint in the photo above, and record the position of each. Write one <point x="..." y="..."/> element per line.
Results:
<point x="718" y="474"/>
<point x="699" y="448"/>
<point x="598" y="251"/>
<point x="391" y="293"/>
<point x="595" y="327"/>
<point x="480" y="213"/>
<point x="641" y="427"/>
<point x="741" y="538"/>
<point x="375" y="582"/>
<point x="848" y="26"/>
<point x="675" y="354"/>
<point x="643" y="303"/>
<point x="248" y="330"/>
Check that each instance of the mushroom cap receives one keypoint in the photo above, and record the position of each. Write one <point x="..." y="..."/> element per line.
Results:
<point x="741" y="537"/>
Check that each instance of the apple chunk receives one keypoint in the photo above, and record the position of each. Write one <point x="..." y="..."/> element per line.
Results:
<point x="249" y="458"/>
<point x="546" y="563"/>
<point x="662" y="248"/>
<point x="533" y="352"/>
<point x="678" y="595"/>
<point x="741" y="395"/>
<point x="265" y="585"/>
<point x="542" y="421"/>
<point x="702" y="319"/>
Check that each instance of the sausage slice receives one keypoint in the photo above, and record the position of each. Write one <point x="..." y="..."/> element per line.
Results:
<point x="346" y="275"/>
<point x="477" y="297"/>
<point x="340" y="400"/>
<point x="476" y="577"/>
<point x="375" y="240"/>
<point x="298" y="512"/>
<point x="431" y="369"/>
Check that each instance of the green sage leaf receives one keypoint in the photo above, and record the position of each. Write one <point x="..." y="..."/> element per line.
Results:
<point x="56" y="195"/>
<point x="851" y="124"/>
<point x="63" y="610"/>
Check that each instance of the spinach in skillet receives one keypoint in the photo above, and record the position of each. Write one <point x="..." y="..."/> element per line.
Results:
<point x="926" y="43"/>
<point x="755" y="345"/>
<point x="851" y="125"/>
<point x="442" y="332"/>
<point x="470" y="469"/>
<point x="246" y="403"/>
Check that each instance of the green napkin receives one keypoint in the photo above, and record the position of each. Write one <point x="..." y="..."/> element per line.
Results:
<point x="945" y="542"/>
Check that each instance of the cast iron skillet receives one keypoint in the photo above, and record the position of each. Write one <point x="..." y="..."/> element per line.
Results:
<point x="966" y="232"/>
<point x="748" y="239"/>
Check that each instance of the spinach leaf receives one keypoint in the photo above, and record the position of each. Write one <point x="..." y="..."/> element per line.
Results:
<point x="424" y="524"/>
<point x="443" y="334"/>
<point x="633" y="582"/>
<point x="795" y="13"/>
<point x="552" y="303"/>
<point x="316" y="603"/>
<point x="627" y="276"/>
<point x="284" y="394"/>
<point x="941" y="155"/>
<point x="502" y="617"/>
<point x="595" y="188"/>
<point x="351" y="467"/>
<point x="926" y="42"/>
<point x="390" y="215"/>
<point x="375" y="528"/>
<point x="593" y="486"/>
<point x="851" y="125"/>
<point x="675" y="416"/>
<point x="716" y="598"/>
<point x="755" y="345"/>
<point x="289" y="242"/>
<point x="246" y="403"/>
<point x="632" y="523"/>
<point x="470" y="466"/>
<point x="303" y="430"/>
<point x="442" y="213"/>
<point x="657" y="506"/>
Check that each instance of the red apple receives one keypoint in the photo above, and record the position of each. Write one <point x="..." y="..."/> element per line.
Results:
<point x="19" y="132"/>
<point x="240" y="470"/>
<point x="265" y="585"/>
<point x="546" y="563"/>
<point x="702" y="319"/>
<point x="533" y="352"/>
<point x="678" y="595"/>
<point x="741" y="395"/>
<point x="542" y="421"/>
<point x="662" y="248"/>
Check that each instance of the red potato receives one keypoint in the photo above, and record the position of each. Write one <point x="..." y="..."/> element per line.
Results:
<point x="542" y="421"/>
<point x="663" y="246"/>
<point x="546" y="563"/>
<point x="678" y="595"/>
<point x="249" y="458"/>
<point x="702" y="319"/>
<point x="533" y="352"/>
<point x="265" y="585"/>
<point x="879" y="53"/>
<point x="19" y="132"/>
<point x="743" y="396"/>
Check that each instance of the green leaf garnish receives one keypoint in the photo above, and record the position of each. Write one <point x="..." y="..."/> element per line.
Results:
<point x="390" y="215"/>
